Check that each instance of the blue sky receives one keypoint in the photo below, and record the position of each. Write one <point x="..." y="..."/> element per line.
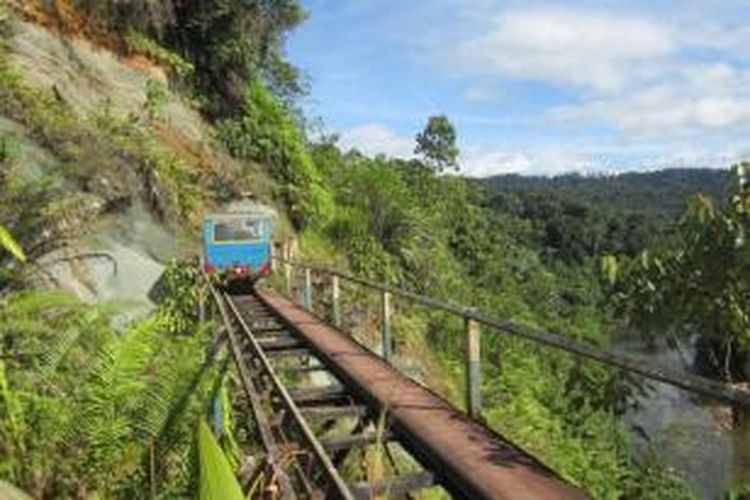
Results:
<point x="535" y="87"/>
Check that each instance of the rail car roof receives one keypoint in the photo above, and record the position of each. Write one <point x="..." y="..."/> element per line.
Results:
<point x="237" y="215"/>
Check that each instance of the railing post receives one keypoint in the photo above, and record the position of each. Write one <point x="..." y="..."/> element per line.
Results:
<point x="335" y="292"/>
<point x="287" y="270"/>
<point x="201" y="304"/>
<point x="308" y="289"/>
<point x="385" y="326"/>
<point x="473" y="368"/>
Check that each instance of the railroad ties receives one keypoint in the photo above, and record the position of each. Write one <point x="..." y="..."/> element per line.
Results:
<point x="336" y="421"/>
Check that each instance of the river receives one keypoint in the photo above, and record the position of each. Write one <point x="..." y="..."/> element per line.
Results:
<point x="689" y="433"/>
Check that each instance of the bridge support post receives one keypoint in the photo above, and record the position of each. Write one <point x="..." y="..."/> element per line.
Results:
<point x="473" y="368"/>
<point x="335" y="293"/>
<point x="308" y="289"/>
<point x="385" y="326"/>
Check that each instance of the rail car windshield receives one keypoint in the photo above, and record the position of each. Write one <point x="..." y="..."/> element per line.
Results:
<point x="226" y="231"/>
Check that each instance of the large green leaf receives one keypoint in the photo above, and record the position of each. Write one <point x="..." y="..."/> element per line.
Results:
<point x="10" y="244"/>
<point x="217" y="480"/>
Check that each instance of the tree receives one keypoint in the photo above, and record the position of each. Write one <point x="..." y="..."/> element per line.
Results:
<point x="229" y="43"/>
<point x="437" y="143"/>
<point x="700" y="287"/>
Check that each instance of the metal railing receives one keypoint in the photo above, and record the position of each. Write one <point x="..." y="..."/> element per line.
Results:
<point x="474" y="319"/>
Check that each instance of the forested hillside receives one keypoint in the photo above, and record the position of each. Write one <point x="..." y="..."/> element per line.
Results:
<point x="94" y="405"/>
<point x="658" y="194"/>
<point x="576" y="217"/>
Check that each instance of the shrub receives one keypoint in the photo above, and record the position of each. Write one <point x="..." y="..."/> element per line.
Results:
<point x="266" y="132"/>
<point x="141" y="44"/>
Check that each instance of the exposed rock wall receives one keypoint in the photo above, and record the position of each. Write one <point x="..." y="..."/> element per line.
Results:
<point x="88" y="77"/>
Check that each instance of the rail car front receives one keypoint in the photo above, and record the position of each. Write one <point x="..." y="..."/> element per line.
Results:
<point x="237" y="246"/>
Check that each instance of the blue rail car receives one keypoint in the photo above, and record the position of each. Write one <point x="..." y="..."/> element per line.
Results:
<point x="237" y="245"/>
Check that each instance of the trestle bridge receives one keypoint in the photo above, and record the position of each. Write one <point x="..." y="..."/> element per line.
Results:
<point x="314" y="396"/>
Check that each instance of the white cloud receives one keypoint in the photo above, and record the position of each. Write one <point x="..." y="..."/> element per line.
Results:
<point x="647" y="76"/>
<point x="565" y="46"/>
<point x="373" y="139"/>
<point x="695" y="156"/>
<point x="480" y="162"/>
<point x="550" y="161"/>
<point x="483" y="162"/>
<point x="480" y="94"/>
<point x="711" y="99"/>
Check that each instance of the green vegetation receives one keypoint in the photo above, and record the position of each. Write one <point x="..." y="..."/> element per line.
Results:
<point x="223" y="45"/>
<point x="265" y="131"/>
<point x="157" y="96"/>
<point x="698" y="286"/>
<point x="139" y="43"/>
<point x="9" y="243"/>
<point x="119" y="405"/>
<point x="92" y="409"/>
<point x="574" y="218"/>
<point x="660" y="194"/>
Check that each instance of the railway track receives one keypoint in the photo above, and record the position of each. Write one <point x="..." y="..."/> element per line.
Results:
<point x="336" y="421"/>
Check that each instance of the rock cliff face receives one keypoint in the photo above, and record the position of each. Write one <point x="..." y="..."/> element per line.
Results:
<point x="88" y="77"/>
<point x="125" y="242"/>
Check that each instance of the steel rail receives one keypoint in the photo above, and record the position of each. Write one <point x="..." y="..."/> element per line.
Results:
<point x="269" y="443"/>
<point x="340" y="489"/>
<point x="623" y="361"/>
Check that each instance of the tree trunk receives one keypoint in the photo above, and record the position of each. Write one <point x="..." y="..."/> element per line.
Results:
<point x="722" y="360"/>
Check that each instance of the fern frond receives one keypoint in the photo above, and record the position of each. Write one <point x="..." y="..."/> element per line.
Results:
<point x="45" y="302"/>
<point x="115" y="387"/>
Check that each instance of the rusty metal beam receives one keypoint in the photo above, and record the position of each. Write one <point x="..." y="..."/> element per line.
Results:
<point x="472" y="460"/>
